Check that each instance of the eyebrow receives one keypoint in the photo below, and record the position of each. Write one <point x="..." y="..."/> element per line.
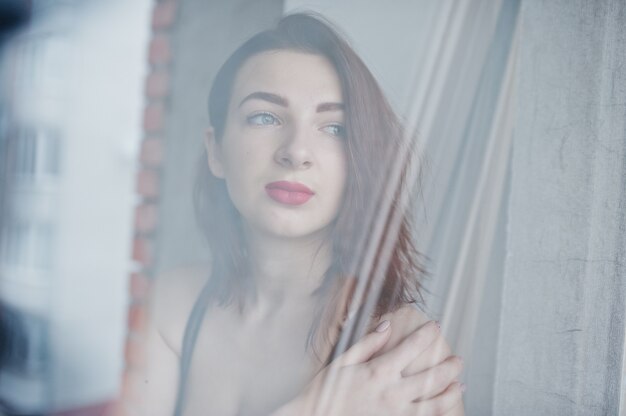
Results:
<point x="283" y="102"/>
<point x="330" y="107"/>
<point x="266" y="96"/>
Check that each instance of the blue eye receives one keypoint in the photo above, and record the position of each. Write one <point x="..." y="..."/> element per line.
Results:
<point x="335" y="129"/>
<point x="263" y="119"/>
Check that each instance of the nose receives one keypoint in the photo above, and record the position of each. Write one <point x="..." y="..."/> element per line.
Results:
<point x="294" y="151"/>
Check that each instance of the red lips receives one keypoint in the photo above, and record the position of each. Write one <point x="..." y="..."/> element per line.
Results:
<point x="289" y="193"/>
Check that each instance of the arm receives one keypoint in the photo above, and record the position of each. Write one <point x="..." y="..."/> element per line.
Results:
<point x="151" y="389"/>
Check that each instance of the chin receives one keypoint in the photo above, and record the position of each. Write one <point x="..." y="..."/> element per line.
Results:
<point x="294" y="230"/>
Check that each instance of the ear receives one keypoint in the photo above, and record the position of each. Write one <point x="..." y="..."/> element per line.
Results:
<point x="214" y="155"/>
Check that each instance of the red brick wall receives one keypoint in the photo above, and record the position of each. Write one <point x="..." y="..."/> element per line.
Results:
<point x="157" y="90"/>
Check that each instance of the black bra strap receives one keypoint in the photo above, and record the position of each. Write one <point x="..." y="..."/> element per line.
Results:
<point x="189" y="342"/>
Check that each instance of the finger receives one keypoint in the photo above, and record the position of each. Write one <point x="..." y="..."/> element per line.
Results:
<point x="367" y="346"/>
<point x="431" y="382"/>
<point x="435" y="354"/>
<point x="441" y="404"/>
<point x="411" y="347"/>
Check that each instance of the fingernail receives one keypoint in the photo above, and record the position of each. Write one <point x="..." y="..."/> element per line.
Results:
<point x="463" y="387"/>
<point x="382" y="327"/>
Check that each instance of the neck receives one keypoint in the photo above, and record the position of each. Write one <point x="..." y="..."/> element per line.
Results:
<point x="288" y="270"/>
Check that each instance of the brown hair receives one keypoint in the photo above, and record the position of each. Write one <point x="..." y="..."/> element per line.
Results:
<point x="373" y="140"/>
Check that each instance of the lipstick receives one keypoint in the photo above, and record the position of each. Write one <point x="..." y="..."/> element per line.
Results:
<point x="288" y="193"/>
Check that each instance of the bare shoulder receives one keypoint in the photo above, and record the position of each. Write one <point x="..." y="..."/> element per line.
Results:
<point x="174" y="295"/>
<point x="154" y="384"/>
<point x="408" y="316"/>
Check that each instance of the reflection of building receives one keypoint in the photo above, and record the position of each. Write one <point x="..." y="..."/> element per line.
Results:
<point x="31" y="144"/>
<point x="70" y="106"/>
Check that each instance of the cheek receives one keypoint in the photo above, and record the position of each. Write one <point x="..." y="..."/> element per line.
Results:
<point x="336" y="173"/>
<point x="343" y="172"/>
<point x="238" y="173"/>
<point x="340" y="164"/>
<point x="239" y="160"/>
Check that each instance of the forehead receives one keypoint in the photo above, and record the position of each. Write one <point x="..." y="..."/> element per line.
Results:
<point x="295" y="75"/>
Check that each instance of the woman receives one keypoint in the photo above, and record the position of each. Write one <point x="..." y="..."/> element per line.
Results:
<point x="296" y="174"/>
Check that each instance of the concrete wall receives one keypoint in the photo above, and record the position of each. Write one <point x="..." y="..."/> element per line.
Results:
<point x="562" y="330"/>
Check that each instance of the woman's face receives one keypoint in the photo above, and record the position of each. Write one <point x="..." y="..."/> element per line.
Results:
<point x="282" y="155"/>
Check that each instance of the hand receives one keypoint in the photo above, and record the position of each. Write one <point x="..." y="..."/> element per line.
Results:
<point x="362" y="385"/>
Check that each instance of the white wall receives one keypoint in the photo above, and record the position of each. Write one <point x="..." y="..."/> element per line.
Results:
<point x="389" y="37"/>
<point x="103" y="79"/>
